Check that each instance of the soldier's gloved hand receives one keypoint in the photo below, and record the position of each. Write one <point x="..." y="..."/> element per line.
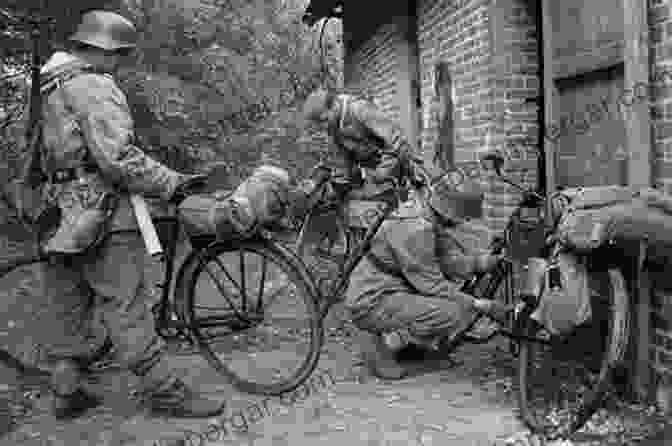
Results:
<point x="190" y="185"/>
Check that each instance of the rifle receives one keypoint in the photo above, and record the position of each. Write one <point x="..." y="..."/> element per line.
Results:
<point x="32" y="176"/>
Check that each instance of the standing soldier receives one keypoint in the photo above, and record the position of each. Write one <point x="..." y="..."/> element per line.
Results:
<point x="98" y="297"/>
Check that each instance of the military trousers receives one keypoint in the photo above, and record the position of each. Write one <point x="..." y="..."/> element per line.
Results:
<point x="100" y="297"/>
<point x="426" y="320"/>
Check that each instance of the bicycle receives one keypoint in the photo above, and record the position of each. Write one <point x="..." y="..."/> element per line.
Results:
<point x="593" y="350"/>
<point x="527" y="235"/>
<point x="343" y="245"/>
<point x="248" y="275"/>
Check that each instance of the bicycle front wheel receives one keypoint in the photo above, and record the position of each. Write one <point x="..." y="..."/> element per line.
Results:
<point x="562" y="382"/>
<point x="251" y="308"/>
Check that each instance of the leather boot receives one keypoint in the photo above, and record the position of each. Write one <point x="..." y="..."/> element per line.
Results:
<point x="70" y="400"/>
<point x="380" y="359"/>
<point x="179" y="401"/>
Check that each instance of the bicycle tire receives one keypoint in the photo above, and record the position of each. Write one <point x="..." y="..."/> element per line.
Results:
<point x="618" y="324"/>
<point x="289" y="264"/>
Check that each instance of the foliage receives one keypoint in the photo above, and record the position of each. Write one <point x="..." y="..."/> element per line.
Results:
<point x="208" y="78"/>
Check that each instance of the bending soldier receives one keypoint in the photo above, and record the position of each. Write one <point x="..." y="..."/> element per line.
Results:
<point x="364" y="137"/>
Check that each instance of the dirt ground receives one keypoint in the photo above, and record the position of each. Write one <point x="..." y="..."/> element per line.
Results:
<point x="471" y="403"/>
<point x="468" y="399"/>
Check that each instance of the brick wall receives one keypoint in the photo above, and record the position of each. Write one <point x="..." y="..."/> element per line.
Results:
<point x="660" y="32"/>
<point x="461" y="33"/>
<point x="457" y="32"/>
<point x="514" y="127"/>
<point x="492" y="54"/>
<point x="374" y="68"/>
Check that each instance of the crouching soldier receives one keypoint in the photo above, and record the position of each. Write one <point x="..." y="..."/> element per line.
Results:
<point x="406" y="291"/>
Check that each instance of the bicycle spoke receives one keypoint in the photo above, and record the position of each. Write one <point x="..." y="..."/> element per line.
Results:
<point x="226" y="272"/>
<point x="272" y="350"/>
<point x="260" y="298"/>
<point x="243" y="297"/>
<point x="221" y="289"/>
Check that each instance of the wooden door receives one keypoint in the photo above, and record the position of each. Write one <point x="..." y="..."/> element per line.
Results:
<point x="591" y="143"/>
<point x="588" y="42"/>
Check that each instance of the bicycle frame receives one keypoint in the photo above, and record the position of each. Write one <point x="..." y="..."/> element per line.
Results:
<point x="353" y="260"/>
<point x="165" y="315"/>
<point x="354" y="257"/>
<point x="163" y="309"/>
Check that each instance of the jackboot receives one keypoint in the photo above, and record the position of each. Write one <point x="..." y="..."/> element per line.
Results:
<point x="70" y="400"/>
<point x="379" y="357"/>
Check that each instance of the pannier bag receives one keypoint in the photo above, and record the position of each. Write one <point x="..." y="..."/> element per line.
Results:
<point x="586" y="229"/>
<point x="259" y="200"/>
<point x="216" y="215"/>
<point x="564" y="303"/>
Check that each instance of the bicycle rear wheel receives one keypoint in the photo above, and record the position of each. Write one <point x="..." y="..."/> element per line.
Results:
<point x="252" y="310"/>
<point x="562" y="382"/>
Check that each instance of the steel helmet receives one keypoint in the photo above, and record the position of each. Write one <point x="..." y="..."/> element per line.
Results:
<point x="106" y="30"/>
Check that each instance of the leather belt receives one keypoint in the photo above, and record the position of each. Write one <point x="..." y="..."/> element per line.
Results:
<point x="70" y="174"/>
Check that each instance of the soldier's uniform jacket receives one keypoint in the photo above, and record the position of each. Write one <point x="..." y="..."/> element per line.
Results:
<point x="87" y="126"/>
<point x="409" y="255"/>
<point x="365" y="137"/>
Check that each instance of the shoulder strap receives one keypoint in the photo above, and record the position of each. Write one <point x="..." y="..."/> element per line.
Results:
<point x="32" y="174"/>
<point x="50" y="83"/>
<point x="56" y="80"/>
